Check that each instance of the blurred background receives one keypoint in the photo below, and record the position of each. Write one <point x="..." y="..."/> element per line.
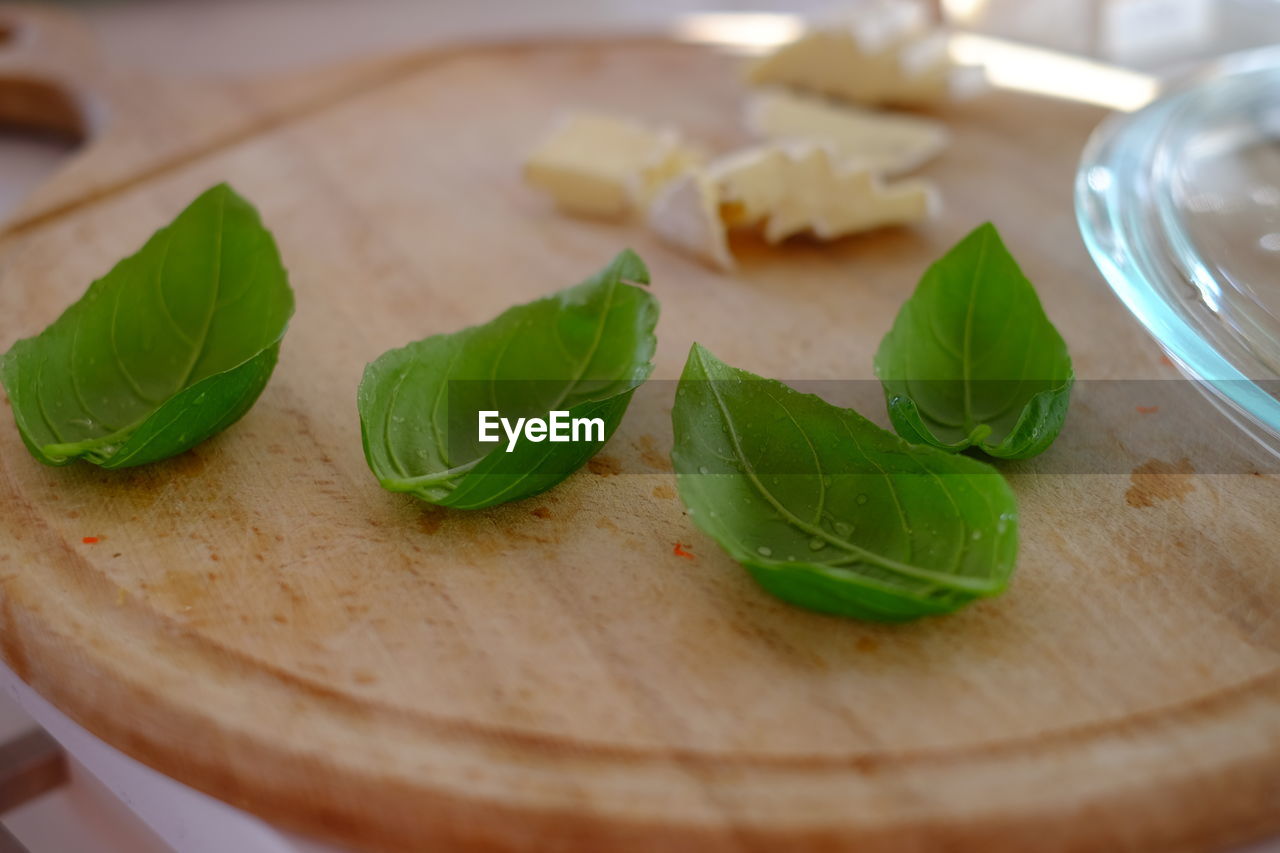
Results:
<point x="253" y="37"/>
<point x="250" y="37"/>
<point x="216" y="36"/>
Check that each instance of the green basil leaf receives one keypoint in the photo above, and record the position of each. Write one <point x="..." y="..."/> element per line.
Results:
<point x="972" y="360"/>
<point x="829" y="511"/>
<point x="170" y="347"/>
<point x="583" y="350"/>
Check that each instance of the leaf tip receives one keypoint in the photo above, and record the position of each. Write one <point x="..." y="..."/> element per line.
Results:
<point x="225" y="194"/>
<point x="222" y="188"/>
<point x="630" y="268"/>
<point x="700" y="364"/>
<point x="701" y="355"/>
<point x="986" y="231"/>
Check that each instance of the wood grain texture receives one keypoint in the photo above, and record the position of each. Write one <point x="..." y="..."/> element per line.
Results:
<point x="259" y="620"/>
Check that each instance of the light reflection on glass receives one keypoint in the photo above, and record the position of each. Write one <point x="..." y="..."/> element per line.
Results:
<point x="1210" y="291"/>
<point x="1099" y="179"/>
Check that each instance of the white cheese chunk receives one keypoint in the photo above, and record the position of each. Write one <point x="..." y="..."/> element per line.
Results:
<point x="887" y="53"/>
<point x="785" y="191"/>
<point x="891" y="143"/>
<point x="750" y="184"/>
<point x="604" y="166"/>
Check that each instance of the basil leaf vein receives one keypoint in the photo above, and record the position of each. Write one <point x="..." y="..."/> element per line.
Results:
<point x="170" y="347"/>
<point x="972" y="360"/>
<point x="827" y="510"/>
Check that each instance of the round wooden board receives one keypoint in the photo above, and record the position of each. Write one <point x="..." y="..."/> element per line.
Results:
<point x="259" y="620"/>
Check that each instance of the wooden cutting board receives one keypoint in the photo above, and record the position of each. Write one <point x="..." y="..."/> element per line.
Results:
<point x="259" y="620"/>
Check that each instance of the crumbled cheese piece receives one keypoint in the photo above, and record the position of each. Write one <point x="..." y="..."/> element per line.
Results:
<point x="603" y="166"/>
<point x="882" y="142"/>
<point x="686" y="215"/>
<point x="889" y="53"/>
<point x="750" y="184"/>
<point x="786" y="191"/>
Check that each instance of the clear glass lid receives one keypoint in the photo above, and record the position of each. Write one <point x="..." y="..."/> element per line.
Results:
<point x="1179" y="204"/>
